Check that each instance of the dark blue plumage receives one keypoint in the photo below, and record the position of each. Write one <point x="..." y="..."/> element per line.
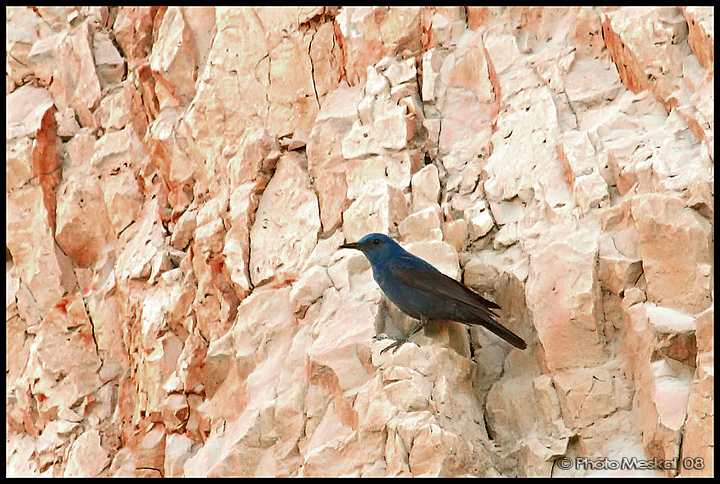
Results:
<point x="425" y="293"/>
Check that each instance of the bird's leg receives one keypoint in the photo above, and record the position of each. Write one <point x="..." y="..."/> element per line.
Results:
<point x="404" y="339"/>
<point x="420" y="325"/>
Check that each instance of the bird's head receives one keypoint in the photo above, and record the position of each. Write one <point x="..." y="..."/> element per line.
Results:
<point x="376" y="247"/>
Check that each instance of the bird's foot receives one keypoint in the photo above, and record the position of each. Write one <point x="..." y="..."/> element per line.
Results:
<point x="395" y="345"/>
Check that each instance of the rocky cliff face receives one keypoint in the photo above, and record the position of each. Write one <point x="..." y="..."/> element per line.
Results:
<point x="179" y="181"/>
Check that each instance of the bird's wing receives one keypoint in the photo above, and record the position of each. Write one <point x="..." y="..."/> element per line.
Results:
<point x="472" y="307"/>
<point x="427" y="278"/>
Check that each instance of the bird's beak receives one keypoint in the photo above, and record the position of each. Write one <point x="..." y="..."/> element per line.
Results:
<point x="351" y="245"/>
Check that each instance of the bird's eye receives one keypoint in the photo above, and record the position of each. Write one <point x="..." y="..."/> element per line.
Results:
<point x="376" y="241"/>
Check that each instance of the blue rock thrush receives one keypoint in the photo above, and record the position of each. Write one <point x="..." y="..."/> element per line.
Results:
<point x="425" y="293"/>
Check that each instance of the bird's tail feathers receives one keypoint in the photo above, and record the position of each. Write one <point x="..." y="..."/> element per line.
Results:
<point x="485" y="319"/>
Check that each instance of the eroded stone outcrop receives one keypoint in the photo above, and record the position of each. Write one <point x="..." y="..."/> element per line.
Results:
<point x="179" y="181"/>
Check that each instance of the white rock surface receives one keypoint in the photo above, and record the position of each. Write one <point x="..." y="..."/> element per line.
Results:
<point x="179" y="181"/>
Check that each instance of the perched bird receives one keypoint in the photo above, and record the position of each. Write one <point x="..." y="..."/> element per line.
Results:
<point x="425" y="293"/>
